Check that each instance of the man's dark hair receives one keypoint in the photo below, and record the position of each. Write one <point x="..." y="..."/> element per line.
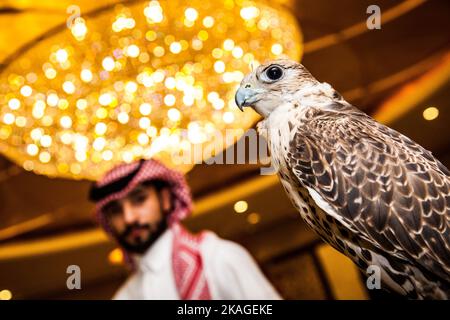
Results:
<point x="157" y="184"/>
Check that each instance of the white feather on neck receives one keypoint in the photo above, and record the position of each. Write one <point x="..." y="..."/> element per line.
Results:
<point x="312" y="95"/>
<point x="315" y="94"/>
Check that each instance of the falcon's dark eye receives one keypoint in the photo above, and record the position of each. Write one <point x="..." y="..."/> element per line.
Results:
<point x="274" y="73"/>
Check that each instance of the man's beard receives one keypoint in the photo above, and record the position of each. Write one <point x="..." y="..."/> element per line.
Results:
<point x="141" y="245"/>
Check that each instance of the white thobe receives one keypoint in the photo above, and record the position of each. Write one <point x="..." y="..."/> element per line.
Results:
<point x="230" y="271"/>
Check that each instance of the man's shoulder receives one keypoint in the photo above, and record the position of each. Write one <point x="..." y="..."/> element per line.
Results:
<point x="222" y="248"/>
<point x="128" y="288"/>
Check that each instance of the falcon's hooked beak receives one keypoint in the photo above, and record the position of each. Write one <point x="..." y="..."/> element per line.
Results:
<point x="246" y="96"/>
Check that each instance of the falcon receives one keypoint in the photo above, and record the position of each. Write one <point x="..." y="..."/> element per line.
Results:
<point x="367" y="190"/>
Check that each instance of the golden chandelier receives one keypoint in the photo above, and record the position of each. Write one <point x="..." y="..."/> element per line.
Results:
<point x="144" y="79"/>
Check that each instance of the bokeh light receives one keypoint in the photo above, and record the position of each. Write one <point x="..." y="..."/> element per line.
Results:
<point x="430" y="113"/>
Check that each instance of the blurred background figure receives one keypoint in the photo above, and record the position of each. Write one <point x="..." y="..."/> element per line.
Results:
<point x="141" y="205"/>
<point x="87" y="85"/>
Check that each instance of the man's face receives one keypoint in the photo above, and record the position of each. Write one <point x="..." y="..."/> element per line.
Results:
<point x="139" y="218"/>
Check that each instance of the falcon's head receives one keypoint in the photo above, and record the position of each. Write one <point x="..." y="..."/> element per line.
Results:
<point x="272" y="84"/>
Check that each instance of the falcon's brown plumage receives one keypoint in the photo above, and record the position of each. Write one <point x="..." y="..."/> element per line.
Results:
<point x="369" y="191"/>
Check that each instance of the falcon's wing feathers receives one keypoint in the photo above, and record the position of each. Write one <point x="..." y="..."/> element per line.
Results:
<point x="355" y="164"/>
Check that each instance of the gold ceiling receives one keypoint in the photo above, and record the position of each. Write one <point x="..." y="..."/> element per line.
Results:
<point x="139" y="79"/>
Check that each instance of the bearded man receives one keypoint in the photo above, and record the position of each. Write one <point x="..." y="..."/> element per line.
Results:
<point x="140" y="205"/>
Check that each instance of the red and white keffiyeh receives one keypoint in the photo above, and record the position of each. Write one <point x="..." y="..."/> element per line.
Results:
<point x="186" y="257"/>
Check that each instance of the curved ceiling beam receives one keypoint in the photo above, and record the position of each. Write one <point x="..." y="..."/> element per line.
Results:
<point x="52" y="245"/>
<point x="26" y="226"/>
<point x="360" y="27"/>
<point x="415" y="92"/>
<point x="399" y="77"/>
